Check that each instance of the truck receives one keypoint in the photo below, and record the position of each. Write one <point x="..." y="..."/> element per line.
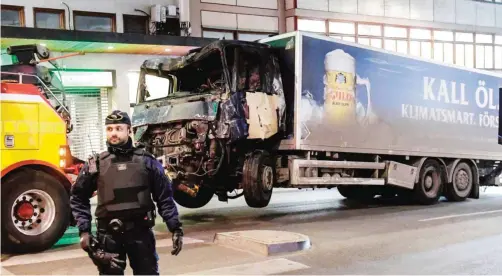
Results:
<point x="300" y="110"/>
<point x="37" y="167"/>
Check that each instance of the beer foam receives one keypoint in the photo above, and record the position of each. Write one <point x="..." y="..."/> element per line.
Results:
<point x="338" y="60"/>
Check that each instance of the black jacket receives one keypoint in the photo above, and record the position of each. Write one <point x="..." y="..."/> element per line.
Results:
<point x="160" y="186"/>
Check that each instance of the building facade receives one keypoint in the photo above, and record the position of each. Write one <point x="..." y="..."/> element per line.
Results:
<point x="118" y="35"/>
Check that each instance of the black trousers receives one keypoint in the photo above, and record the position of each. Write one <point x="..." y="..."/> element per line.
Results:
<point x="138" y="244"/>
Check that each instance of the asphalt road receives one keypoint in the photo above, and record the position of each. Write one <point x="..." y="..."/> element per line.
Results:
<point x="380" y="238"/>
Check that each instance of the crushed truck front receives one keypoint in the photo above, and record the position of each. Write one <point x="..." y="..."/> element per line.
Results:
<point x="203" y="113"/>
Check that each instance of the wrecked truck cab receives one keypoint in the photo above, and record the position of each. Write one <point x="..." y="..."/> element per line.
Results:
<point x="212" y="118"/>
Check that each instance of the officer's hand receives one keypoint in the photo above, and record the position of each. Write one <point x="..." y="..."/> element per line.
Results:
<point x="177" y="242"/>
<point x="85" y="241"/>
<point x="111" y="259"/>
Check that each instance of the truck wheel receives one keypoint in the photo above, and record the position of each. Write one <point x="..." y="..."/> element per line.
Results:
<point x="259" y="177"/>
<point x="35" y="211"/>
<point x="462" y="183"/>
<point x="204" y="195"/>
<point x="428" y="189"/>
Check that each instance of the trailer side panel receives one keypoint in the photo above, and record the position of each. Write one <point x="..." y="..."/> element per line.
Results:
<point x="361" y="100"/>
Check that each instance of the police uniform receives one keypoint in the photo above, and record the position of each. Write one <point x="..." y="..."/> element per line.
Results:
<point x="126" y="180"/>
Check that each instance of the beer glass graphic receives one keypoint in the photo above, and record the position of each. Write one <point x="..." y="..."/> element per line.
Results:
<point x="340" y="79"/>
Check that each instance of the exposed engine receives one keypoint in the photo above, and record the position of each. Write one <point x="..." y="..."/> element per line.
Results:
<point x="187" y="153"/>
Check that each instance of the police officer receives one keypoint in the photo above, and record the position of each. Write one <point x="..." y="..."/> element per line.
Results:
<point x="126" y="178"/>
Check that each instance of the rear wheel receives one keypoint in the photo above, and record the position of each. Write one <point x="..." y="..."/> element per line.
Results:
<point x="462" y="183"/>
<point x="259" y="177"/>
<point x="428" y="189"/>
<point x="35" y="211"/>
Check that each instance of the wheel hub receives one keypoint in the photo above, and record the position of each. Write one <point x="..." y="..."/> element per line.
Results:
<point x="33" y="212"/>
<point x="462" y="180"/>
<point x="25" y="211"/>
<point x="428" y="182"/>
<point x="268" y="178"/>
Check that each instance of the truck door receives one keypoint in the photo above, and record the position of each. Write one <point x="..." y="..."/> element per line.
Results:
<point x="256" y="80"/>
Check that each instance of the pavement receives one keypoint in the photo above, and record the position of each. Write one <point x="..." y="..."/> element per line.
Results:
<point x="383" y="237"/>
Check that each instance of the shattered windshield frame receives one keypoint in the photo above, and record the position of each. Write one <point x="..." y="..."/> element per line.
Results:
<point x="204" y="70"/>
<point x="153" y="86"/>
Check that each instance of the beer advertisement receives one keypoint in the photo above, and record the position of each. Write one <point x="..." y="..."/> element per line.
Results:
<point x="354" y="96"/>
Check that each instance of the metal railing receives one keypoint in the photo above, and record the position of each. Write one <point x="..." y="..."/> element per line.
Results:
<point x="47" y="89"/>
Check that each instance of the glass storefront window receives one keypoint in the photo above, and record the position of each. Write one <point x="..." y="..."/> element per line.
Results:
<point x="396" y="32"/>
<point x="420" y="33"/>
<point x="342" y="28"/>
<point x="443" y="35"/>
<point x="315" y="26"/>
<point x="251" y="36"/>
<point x="366" y="29"/>
<point x="464" y="37"/>
<point x="498" y="57"/>
<point x="218" y="35"/>
<point x="453" y="47"/>
<point x="484" y="57"/>
<point x="484" y="38"/>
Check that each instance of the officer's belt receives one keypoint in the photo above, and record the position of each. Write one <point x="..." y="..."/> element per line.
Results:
<point x="127" y="224"/>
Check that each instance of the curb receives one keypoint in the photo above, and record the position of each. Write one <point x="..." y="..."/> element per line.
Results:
<point x="264" y="242"/>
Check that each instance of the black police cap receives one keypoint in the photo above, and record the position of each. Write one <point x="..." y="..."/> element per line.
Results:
<point x="118" y="117"/>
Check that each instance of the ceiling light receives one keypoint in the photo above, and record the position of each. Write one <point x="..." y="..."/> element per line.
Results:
<point x="43" y="44"/>
<point x="110" y="47"/>
<point x="167" y="50"/>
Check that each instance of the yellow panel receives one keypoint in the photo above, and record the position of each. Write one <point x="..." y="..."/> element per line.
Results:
<point x="20" y="123"/>
<point x="38" y="133"/>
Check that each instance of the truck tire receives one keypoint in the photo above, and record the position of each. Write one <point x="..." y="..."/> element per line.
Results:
<point x="38" y="201"/>
<point x="204" y="195"/>
<point x="462" y="184"/>
<point x="428" y="189"/>
<point x="258" y="179"/>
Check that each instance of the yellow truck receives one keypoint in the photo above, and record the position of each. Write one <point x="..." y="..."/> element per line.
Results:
<point x="36" y="163"/>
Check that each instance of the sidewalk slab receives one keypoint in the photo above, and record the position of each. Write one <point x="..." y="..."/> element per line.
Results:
<point x="267" y="267"/>
<point x="62" y="254"/>
<point x="264" y="242"/>
<point x="193" y="258"/>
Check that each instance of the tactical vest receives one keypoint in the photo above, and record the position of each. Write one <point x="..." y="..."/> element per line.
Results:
<point x="123" y="186"/>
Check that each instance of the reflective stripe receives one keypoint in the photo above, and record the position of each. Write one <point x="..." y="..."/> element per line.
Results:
<point x="21" y="98"/>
